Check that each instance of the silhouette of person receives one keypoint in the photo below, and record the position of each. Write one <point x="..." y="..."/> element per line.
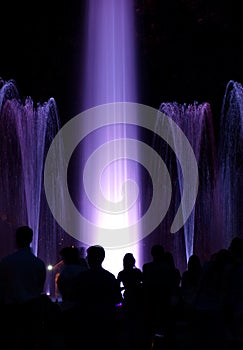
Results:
<point x="191" y="276"/>
<point x="159" y="283"/>
<point x="175" y="293"/>
<point x="22" y="274"/>
<point x="209" y="300"/>
<point x="189" y="281"/>
<point x="130" y="280"/>
<point x="67" y="278"/>
<point x="67" y="286"/>
<point x="22" y="279"/>
<point x="233" y="300"/>
<point x="98" y="294"/>
<point x="73" y="263"/>
<point x="169" y="259"/>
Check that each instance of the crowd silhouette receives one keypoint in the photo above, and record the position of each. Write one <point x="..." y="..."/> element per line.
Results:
<point x="153" y="308"/>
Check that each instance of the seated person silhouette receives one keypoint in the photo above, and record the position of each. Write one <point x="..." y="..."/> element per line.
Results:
<point x="98" y="294"/>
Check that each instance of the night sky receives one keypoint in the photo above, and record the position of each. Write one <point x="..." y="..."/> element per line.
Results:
<point x="187" y="50"/>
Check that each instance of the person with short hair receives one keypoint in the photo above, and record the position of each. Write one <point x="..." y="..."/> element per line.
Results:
<point x="22" y="274"/>
<point x="98" y="294"/>
<point x="22" y="280"/>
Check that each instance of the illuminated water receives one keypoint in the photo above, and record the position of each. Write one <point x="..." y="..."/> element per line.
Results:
<point x="26" y="132"/>
<point x="109" y="75"/>
<point x="230" y="154"/>
<point x="196" y="122"/>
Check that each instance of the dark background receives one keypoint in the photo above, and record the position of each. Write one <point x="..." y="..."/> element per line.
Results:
<point x="186" y="50"/>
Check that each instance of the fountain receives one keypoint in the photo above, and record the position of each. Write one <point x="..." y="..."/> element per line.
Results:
<point x="110" y="76"/>
<point x="230" y="155"/>
<point x="195" y="120"/>
<point x="26" y="132"/>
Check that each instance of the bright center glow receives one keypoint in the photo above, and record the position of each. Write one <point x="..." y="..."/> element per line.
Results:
<point x="110" y="76"/>
<point x="114" y="258"/>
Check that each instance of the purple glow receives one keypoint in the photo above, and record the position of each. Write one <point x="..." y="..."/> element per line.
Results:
<point x="110" y="68"/>
<point x="230" y="154"/>
<point x="110" y="76"/>
<point x="25" y="136"/>
<point x="195" y="120"/>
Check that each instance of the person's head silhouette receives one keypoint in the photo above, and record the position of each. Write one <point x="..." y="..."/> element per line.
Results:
<point x="157" y="252"/>
<point x="70" y="255"/>
<point x="129" y="261"/>
<point x="95" y="256"/>
<point x="24" y="236"/>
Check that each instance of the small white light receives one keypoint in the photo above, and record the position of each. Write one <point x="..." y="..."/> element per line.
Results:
<point x="49" y="267"/>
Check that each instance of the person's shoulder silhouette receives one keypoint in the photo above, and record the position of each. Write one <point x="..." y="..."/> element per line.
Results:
<point x="67" y="279"/>
<point x="190" y="277"/>
<point x="157" y="254"/>
<point x="151" y="268"/>
<point x="22" y="281"/>
<point x="98" y="285"/>
<point x="22" y="274"/>
<point x="130" y="279"/>
<point x="98" y="295"/>
<point x="130" y="275"/>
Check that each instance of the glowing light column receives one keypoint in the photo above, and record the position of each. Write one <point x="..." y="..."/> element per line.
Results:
<point x="110" y="76"/>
